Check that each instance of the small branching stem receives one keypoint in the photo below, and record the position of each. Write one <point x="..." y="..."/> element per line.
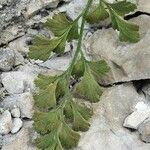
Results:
<point x="79" y="49"/>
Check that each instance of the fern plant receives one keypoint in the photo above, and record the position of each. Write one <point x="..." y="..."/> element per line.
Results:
<point x="58" y="114"/>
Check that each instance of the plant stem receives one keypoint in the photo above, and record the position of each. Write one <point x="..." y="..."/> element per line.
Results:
<point x="89" y="3"/>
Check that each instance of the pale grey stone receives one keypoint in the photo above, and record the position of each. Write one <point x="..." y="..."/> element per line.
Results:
<point x="17" y="124"/>
<point x="7" y="59"/>
<point x="128" y="61"/>
<point x="144" y="130"/>
<point x="57" y="63"/>
<point x="15" y="112"/>
<point x="20" y="45"/>
<point x="21" y="140"/>
<point x="19" y="60"/>
<point x="11" y="33"/>
<point x="23" y="101"/>
<point x="5" y="122"/>
<point x="135" y="119"/>
<point x="144" y="5"/>
<point x="18" y="81"/>
<point x="106" y="131"/>
<point x="35" y="5"/>
<point x="1" y="110"/>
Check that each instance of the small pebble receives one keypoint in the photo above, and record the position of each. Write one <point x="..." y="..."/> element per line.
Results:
<point x="15" y="112"/>
<point x="17" y="124"/>
<point x="5" y="122"/>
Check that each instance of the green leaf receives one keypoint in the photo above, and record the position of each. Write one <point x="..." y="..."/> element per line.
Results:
<point x="60" y="25"/>
<point x="45" y="98"/>
<point x="46" y="122"/>
<point x="97" y="14"/>
<point x="42" y="47"/>
<point x="68" y="137"/>
<point x="123" y="7"/>
<point x="79" y="123"/>
<point x="78" y="115"/>
<point x="49" y="141"/>
<point x="60" y="48"/>
<point x="78" y="68"/>
<point x="98" y="69"/>
<point x="88" y="88"/>
<point x="64" y="29"/>
<point x="43" y="81"/>
<point x="73" y="32"/>
<point x="83" y="110"/>
<point x="127" y="31"/>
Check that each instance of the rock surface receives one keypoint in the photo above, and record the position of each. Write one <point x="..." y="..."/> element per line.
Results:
<point x="106" y="130"/>
<point x="20" y="21"/>
<point x="57" y="63"/>
<point x="127" y="61"/>
<point x="17" y="124"/>
<point x="141" y="113"/>
<point x="144" y="129"/>
<point x="144" y="5"/>
<point x="7" y="59"/>
<point x="15" y="112"/>
<point x="20" y="141"/>
<point x="23" y="101"/>
<point x="5" y="122"/>
<point x="17" y="82"/>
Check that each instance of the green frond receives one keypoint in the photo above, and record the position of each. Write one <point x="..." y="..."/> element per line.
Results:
<point x="79" y="123"/>
<point x="49" y="141"/>
<point x="61" y="87"/>
<point x="127" y="31"/>
<point x="97" y="14"/>
<point x="124" y="7"/>
<point x="68" y="137"/>
<point x="88" y="88"/>
<point x="59" y="24"/>
<point x="83" y="110"/>
<point x="45" y="98"/>
<point x="78" y="69"/>
<point x="73" y="33"/>
<point x="43" y="81"/>
<point x="68" y="111"/>
<point x="58" y="116"/>
<point x="99" y="68"/>
<point x="42" y="47"/>
<point x="46" y="122"/>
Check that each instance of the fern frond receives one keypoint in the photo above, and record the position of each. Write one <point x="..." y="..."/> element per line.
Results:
<point x="58" y="115"/>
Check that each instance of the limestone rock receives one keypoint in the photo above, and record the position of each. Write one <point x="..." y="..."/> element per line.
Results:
<point x="21" y="140"/>
<point x="106" y="131"/>
<point x="128" y="61"/>
<point x="141" y="113"/>
<point x="144" y="129"/>
<point x="146" y="91"/>
<point x="15" y="112"/>
<point x="17" y="81"/>
<point x="7" y="59"/>
<point x="17" y="124"/>
<point x="57" y="63"/>
<point x="23" y="101"/>
<point x="5" y="122"/>
<point x="20" y="45"/>
<point x="144" y="5"/>
<point x="11" y="33"/>
<point x="35" y="5"/>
